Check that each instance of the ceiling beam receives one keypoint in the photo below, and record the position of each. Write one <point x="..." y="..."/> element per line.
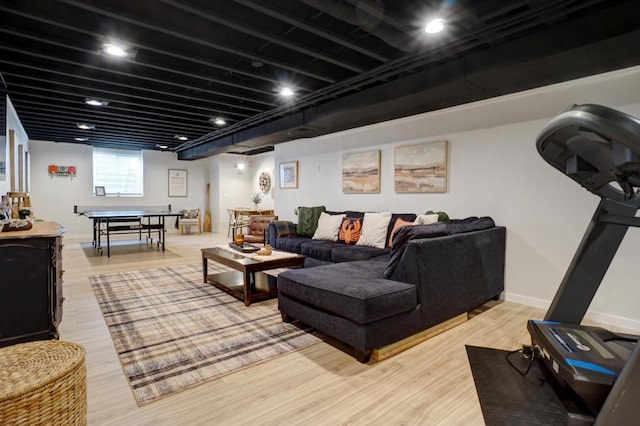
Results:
<point x="262" y="35"/>
<point x="128" y="95"/>
<point x="70" y="124"/>
<point x="313" y="29"/>
<point x="568" y="60"/>
<point x="155" y="49"/>
<point x="377" y="13"/>
<point x="101" y="134"/>
<point x="150" y="107"/>
<point x="127" y="113"/>
<point x="112" y="83"/>
<point x="112" y="71"/>
<point x="193" y="39"/>
<point x="95" y="116"/>
<point x="134" y="143"/>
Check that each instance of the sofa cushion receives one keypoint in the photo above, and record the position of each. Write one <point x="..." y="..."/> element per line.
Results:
<point x="353" y="290"/>
<point x="426" y="219"/>
<point x="328" y="227"/>
<point x="345" y="253"/>
<point x="399" y="223"/>
<point x="350" y="230"/>
<point x="319" y="249"/>
<point x="308" y="220"/>
<point x="409" y="217"/>
<point x="374" y="229"/>
<point x="351" y="213"/>
<point x="440" y="229"/>
<point x="291" y="244"/>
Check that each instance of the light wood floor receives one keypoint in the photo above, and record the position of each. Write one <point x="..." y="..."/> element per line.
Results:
<point x="430" y="384"/>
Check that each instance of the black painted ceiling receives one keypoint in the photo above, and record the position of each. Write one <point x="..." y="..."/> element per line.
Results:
<point x="350" y="63"/>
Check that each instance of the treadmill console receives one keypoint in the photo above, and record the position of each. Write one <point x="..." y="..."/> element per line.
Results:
<point x="586" y="359"/>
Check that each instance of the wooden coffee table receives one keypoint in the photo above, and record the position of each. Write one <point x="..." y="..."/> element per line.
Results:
<point x="247" y="283"/>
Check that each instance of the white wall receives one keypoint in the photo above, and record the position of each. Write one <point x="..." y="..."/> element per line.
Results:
<point x="20" y="138"/>
<point x="234" y="187"/>
<point x="53" y="198"/>
<point x="494" y="170"/>
<point x="263" y="163"/>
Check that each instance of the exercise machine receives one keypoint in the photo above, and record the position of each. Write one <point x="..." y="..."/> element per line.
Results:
<point x="599" y="148"/>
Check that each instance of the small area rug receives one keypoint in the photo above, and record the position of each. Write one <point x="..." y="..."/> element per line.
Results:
<point x="508" y="398"/>
<point x="171" y="331"/>
<point x="121" y="251"/>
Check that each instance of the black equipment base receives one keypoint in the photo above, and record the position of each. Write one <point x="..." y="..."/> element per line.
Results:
<point x="508" y="398"/>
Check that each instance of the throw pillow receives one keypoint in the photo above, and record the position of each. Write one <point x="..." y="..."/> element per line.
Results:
<point x="350" y="230"/>
<point x="399" y="222"/>
<point x="374" y="229"/>
<point x="308" y="220"/>
<point x="190" y="214"/>
<point x="426" y="219"/>
<point x="284" y="228"/>
<point x="328" y="227"/>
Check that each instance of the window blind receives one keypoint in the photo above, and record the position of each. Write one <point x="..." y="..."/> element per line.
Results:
<point x="119" y="171"/>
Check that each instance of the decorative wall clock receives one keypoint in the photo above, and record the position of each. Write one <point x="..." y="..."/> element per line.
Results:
<point x="264" y="182"/>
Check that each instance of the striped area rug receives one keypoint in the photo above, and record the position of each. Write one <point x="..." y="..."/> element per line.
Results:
<point x="171" y="331"/>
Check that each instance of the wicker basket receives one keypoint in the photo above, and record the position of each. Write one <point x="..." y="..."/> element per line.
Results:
<point x="43" y="383"/>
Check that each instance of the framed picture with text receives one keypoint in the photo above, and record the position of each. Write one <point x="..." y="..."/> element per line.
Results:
<point x="177" y="183"/>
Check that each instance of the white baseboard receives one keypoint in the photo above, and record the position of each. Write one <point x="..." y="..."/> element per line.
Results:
<point x="599" y="317"/>
<point x="615" y="320"/>
<point x="526" y="300"/>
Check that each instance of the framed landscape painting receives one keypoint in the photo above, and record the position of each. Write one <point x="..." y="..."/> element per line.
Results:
<point x="361" y="172"/>
<point x="421" y="167"/>
<point x="289" y="175"/>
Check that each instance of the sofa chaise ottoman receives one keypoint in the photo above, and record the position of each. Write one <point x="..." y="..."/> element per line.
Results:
<point x="432" y="274"/>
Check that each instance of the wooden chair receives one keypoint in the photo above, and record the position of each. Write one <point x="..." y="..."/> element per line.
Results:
<point x="189" y="218"/>
<point x="238" y="217"/>
<point x="257" y="226"/>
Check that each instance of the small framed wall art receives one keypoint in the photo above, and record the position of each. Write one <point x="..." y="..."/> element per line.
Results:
<point x="289" y="175"/>
<point x="177" y="183"/>
<point x="421" y="167"/>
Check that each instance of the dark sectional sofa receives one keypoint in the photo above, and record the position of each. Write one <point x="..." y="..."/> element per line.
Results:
<point x="369" y="298"/>
<point x="319" y="252"/>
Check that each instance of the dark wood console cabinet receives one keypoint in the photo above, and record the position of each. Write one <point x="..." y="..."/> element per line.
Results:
<point x="30" y="283"/>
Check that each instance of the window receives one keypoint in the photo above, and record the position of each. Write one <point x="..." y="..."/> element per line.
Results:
<point x="119" y="171"/>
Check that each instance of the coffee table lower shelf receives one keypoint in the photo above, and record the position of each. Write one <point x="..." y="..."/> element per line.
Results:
<point x="263" y="286"/>
<point x="247" y="282"/>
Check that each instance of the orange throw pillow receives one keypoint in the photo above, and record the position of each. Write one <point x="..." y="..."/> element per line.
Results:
<point x="350" y="230"/>
<point x="399" y="222"/>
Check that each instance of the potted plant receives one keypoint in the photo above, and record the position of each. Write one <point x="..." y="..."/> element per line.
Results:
<point x="256" y="199"/>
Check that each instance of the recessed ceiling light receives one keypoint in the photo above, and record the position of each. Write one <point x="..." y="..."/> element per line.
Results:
<point x="96" y="102"/>
<point x="434" y="26"/>
<point x="162" y="146"/>
<point x="81" y="139"/>
<point x="84" y="126"/>
<point x="286" y="91"/>
<point x="114" y="50"/>
<point x="219" y="121"/>
<point x="181" y="137"/>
